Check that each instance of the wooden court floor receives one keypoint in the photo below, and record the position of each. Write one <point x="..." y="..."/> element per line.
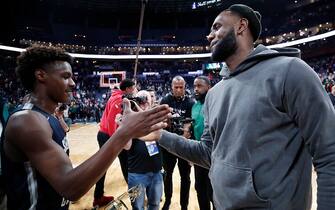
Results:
<point x="83" y="144"/>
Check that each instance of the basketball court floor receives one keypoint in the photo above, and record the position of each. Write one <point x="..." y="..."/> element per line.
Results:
<point x="83" y="144"/>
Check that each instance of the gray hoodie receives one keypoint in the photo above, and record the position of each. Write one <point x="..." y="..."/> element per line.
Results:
<point x="265" y="124"/>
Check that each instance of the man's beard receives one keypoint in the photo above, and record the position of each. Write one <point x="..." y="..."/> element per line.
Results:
<point x="225" y="47"/>
<point x="201" y="97"/>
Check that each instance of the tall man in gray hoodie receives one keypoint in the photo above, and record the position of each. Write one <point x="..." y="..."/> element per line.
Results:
<point x="266" y="122"/>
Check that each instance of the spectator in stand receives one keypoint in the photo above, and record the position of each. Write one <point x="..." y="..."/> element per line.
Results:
<point x="59" y="114"/>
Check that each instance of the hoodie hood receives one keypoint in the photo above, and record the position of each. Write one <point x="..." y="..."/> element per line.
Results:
<point x="259" y="54"/>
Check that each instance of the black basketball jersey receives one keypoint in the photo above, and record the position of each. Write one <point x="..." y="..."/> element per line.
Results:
<point x="24" y="186"/>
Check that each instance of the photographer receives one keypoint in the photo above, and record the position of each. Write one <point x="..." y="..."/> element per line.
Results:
<point x="145" y="163"/>
<point x="182" y="106"/>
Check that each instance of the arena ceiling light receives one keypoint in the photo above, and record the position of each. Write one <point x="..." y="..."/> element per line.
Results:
<point x="304" y="40"/>
<point x="182" y="56"/>
<point x="13" y="49"/>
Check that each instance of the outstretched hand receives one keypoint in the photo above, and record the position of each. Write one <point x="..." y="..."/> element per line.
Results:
<point x="153" y="136"/>
<point x="138" y="124"/>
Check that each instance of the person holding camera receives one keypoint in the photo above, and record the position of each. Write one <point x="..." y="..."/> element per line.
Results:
<point x="182" y="106"/>
<point x="145" y="163"/>
<point x="107" y="127"/>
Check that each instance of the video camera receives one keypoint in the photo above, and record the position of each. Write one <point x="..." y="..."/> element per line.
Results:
<point x="133" y="100"/>
<point x="177" y="124"/>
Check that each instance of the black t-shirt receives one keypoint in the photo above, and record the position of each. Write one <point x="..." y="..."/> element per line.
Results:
<point x="139" y="160"/>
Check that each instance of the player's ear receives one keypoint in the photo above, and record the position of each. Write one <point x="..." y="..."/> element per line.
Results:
<point x="40" y="75"/>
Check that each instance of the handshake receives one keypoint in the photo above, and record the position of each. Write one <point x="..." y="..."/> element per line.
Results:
<point x="139" y="124"/>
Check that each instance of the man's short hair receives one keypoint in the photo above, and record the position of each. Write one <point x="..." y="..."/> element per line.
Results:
<point x="124" y="84"/>
<point x="204" y="78"/>
<point x="178" y="78"/>
<point x="37" y="57"/>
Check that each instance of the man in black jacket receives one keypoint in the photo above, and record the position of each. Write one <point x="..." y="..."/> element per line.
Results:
<point x="182" y="107"/>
